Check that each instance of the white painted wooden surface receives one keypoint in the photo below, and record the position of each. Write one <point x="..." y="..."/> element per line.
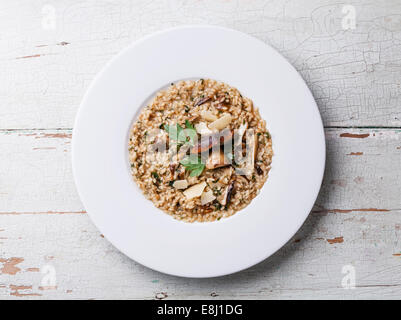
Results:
<point x="355" y="76"/>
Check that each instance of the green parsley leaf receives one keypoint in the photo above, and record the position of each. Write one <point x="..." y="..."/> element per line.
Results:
<point x="189" y="125"/>
<point x="174" y="132"/>
<point x="194" y="166"/>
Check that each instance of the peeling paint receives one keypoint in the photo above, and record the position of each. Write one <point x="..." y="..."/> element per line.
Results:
<point x="55" y="135"/>
<point x="354" y="135"/>
<point x="31" y="56"/>
<point x="9" y="265"/>
<point x="335" y="240"/>
<point x="44" y="148"/>
<point x="47" y="288"/>
<point x="15" y="291"/>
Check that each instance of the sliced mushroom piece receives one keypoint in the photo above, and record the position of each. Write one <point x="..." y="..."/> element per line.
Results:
<point x="225" y="197"/>
<point x="207" y="197"/>
<point x="207" y="142"/>
<point x="230" y="190"/>
<point x="254" y="146"/>
<point x="221" y="123"/>
<point x="173" y="167"/>
<point x="217" y="159"/>
<point x="195" y="191"/>
<point x="248" y="162"/>
<point x="180" y="184"/>
<point x="202" y="101"/>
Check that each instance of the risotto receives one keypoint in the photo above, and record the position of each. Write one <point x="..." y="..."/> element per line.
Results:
<point x="200" y="150"/>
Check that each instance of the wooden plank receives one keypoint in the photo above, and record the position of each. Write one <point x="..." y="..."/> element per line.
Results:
<point x="363" y="171"/>
<point x="36" y="172"/>
<point x="355" y="222"/>
<point x="353" y="74"/>
<point x="86" y="266"/>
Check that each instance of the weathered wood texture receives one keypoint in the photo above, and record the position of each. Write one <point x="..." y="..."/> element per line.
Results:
<point x="355" y="76"/>
<point x="355" y="221"/>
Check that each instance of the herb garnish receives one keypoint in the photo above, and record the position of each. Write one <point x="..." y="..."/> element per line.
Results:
<point x="156" y="176"/>
<point x="181" y="135"/>
<point x="194" y="166"/>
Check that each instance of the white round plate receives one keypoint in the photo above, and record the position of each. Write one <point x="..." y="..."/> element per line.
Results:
<point x="131" y="222"/>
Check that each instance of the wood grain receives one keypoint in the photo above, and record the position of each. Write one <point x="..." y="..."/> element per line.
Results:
<point x="355" y="222"/>
<point x="354" y="75"/>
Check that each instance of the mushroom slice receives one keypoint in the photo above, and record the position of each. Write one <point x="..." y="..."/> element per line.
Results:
<point x="253" y="147"/>
<point x="225" y="197"/>
<point x="221" y="123"/>
<point x="195" y="191"/>
<point x="180" y="184"/>
<point x="207" y="197"/>
<point x="207" y="142"/>
<point x="202" y="101"/>
<point x="216" y="159"/>
<point x="209" y="116"/>
<point x="247" y="165"/>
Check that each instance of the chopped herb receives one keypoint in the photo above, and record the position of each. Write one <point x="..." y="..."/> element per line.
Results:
<point x="170" y="183"/>
<point x="174" y="131"/>
<point x="217" y="206"/>
<point x="202" y="81"/>
<point x="189" y="125"/>
<point x="132" y="165"/>
<point x="161" y="126"/>
<point x="194" y="167"/>
<point x="259" y="134"/>
<point x="267" y="134"/>
<point x="156" y="176"/>
<point x="186" y="108"/>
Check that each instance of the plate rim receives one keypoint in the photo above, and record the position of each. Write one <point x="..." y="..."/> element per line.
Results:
<point x="99" y="76"/>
